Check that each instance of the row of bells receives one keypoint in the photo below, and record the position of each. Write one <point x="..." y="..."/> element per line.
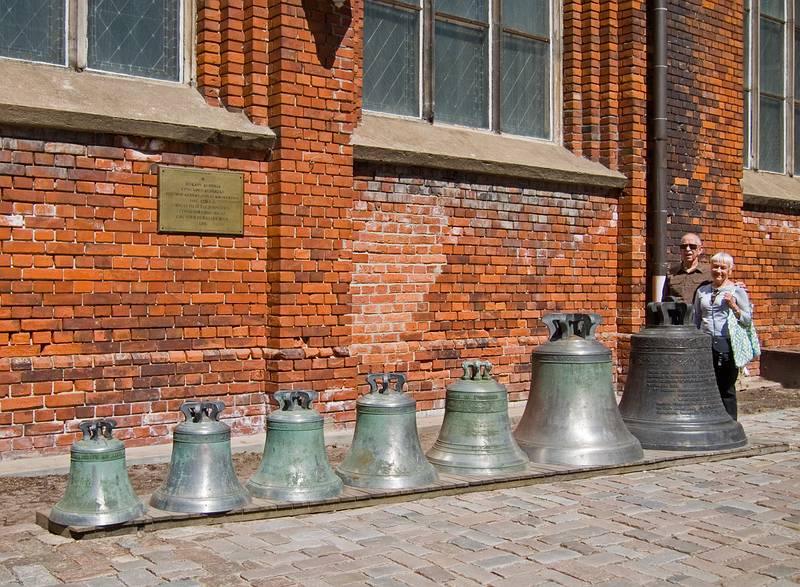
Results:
<point x="670" y="402"/>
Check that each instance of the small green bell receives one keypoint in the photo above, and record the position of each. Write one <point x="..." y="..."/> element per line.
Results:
<point x="201" y="476"/>
<point x="475" y="438"/>
<point x="294" y="466"/>
<point x="99" y="491"/>
<point x="386" y="453"/>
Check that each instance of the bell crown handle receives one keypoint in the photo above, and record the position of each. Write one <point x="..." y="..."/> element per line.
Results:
<point x="106" y="427"/>
<point x="582" y="325"/>
<point x="191" y="411"/>
<point x="295" y="399"/>
<point x="212" y="410"/>
<point x="382" y="382"/>
<point x="672" y="312"/>
<point x="96" y="429"/>
<point x="476" y="369"/>
<point x="89" y="429"/>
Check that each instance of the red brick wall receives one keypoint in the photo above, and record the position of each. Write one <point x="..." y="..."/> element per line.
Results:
<point x="102" y="316"/>
<point x="345" y="271"/>
<point x="312" y="109"/>
<point x="705" y="123"/>
<point x="769" y="262"/>
<point x="449" y="267"/>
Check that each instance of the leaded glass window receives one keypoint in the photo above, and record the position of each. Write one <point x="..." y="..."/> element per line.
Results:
<point x="461" y="70"/>
<point x="33" y="30"/>
<point x="391" y="76"/>
<point x="772" y="85"/>
<point x="132" y="37"/>
<point x="477" y="63"/>
<point x="135" y="37"/>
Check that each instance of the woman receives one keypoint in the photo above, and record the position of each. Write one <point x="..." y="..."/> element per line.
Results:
<point x="712" y="304"/>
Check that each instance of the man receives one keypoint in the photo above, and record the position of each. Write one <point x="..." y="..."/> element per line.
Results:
<point x="685" y="277"/>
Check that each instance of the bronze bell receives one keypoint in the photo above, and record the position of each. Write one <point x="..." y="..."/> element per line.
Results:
<point x="201" y="477"/>
<point x="475" y="438"/>
<point x="99" y="491"/>
<point x="294" y="466"/>
<point x="571" y="417"/>
<point x="386" y="453"/>
<point x="671" y="400"/>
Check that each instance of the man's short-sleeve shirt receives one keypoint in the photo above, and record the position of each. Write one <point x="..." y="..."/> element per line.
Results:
<point x="683" y="284"/>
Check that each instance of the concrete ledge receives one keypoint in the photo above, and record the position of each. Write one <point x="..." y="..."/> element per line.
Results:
<point x="781" y="365"/>
<point x="771" y="191"/>
<point x="351" y="498"/>
<point x="400" y="141"/>
<point x="45" y="96"/>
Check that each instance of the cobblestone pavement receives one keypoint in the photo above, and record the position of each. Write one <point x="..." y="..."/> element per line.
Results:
<point x="734" y="522"/>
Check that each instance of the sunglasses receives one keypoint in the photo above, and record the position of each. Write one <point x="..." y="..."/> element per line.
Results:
<point x="689" y="247"/>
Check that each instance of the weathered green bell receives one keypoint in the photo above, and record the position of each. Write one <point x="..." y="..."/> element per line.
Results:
<point x="386" y="453"/>
<point x="99" y="491"/>
<point x="571" y="417"/>
<point x="201" y="477"/>
<point x="475" y="438"/>
<point x="294" y="466"/>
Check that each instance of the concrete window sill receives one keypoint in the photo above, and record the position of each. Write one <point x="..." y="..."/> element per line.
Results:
<point x="771" y="191"/>
<point x="45" y="96"/>
<point x="399" y="141"/>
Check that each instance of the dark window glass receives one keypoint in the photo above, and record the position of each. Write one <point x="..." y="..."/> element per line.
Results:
<point x="135" y="37"/>
<point x="774" y="8"/>
<point x="771" y="62"/>
<point x="33" y="30"/>
<point x="525" y="82"/>
<point x="797" y="63"/>
<point x="471" y="9"/>
<point x="461" y="78"/>
<point x="797" y="140"/>
<point x="391" y="59"/>
<point x="770" y="134"/>
<point x="528" y="16"/>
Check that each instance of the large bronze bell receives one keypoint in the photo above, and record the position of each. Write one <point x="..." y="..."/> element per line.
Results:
<point x="201" y="477"/>
<point x="294" y="466"/>
<point x="475" y="438"/>
<point x="571" y="417"/>
<point x="386" y="453"/>
<point x="671" y="401"/>
<point x="99" y="491"/>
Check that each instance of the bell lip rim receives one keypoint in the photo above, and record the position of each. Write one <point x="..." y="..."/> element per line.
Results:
<point x="634" y="448"/>
<point x="481" y="471"/>
<point x="422" y="479"/>
<point x="333" y="488"/>
<point x="64" y="518"/>
<point x="243" y="496"/>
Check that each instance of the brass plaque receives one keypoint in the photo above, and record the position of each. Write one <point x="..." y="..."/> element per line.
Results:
<point x="200" y="201"/>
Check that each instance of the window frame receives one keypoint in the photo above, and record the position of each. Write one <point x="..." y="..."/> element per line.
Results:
<point x="76" y="41"/>
<point x="426" y="57"/>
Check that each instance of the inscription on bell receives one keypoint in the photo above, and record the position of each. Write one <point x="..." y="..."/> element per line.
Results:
<point x="200" y="201"/>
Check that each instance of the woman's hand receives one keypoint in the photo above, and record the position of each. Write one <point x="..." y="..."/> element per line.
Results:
<point x="731" y="301"/>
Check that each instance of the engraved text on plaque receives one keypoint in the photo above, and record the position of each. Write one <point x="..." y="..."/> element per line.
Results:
<point x="200" y="201"/>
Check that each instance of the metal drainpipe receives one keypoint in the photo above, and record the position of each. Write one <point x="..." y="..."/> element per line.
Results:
<point x="657" y="156"/>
